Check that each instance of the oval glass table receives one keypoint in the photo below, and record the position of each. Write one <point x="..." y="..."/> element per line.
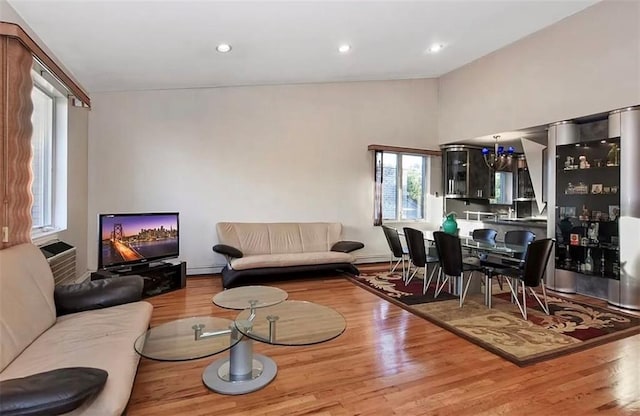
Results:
<point x="245" y="297"/>
<point x="292" y="323"/>
<point x="287" y="323"/>
<point x="178" y="340"/>
<point x="283" y="323"/>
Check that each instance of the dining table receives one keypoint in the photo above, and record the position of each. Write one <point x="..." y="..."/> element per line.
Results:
<point x="499" y="250"/>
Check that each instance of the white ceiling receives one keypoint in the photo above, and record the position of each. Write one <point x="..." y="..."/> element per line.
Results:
<point x="134" y="45"/>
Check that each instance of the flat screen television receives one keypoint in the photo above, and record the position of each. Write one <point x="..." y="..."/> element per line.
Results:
<point x="130" y="240"/>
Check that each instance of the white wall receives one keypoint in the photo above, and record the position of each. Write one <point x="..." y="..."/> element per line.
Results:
<point x="271" y="153"/>
<point x="77" y="186"/>
<point x="585" y="64"/>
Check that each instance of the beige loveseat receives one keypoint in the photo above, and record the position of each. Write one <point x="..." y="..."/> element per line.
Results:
<point x="261" y="249"/>
<point x="39" y="333"/>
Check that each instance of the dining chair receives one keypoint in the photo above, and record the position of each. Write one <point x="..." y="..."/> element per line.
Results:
<point x="487" y="235"/>
<point x="531" y="275"/>
<point x="418" y="257"/>
<point x="484" y="234"/>
<point x="398" y="252"/>
<point x="518" y="238"/>
<point x="451" y="262"/>
<point x="513" y="237"/>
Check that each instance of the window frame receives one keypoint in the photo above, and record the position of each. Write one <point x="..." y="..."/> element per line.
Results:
<point x="49" y="170"/>
<point x="58" y="166"/>
<point x="400" y="185"/>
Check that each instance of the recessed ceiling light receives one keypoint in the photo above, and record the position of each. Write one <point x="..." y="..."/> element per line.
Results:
<point x="344" y="48"/>
<point x="435" y="48"/>
<point x="223" y="48"/>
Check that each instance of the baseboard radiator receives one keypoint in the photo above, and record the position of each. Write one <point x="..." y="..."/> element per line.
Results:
<point x="62" y="260"/>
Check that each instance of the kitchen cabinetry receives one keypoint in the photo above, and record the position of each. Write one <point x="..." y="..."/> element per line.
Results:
<point x="524" y="187"/>
<point x="466" y="175"/>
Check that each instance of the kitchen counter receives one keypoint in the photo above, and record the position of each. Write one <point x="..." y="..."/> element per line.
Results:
<point x="519" y="222"/>
<point x="538" y="227"/>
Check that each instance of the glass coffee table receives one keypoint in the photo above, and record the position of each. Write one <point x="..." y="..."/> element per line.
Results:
<point x="247" y="296"/>
<point x="287" y="323"/>
<point x="283" y="323"/>
<point x="176" y="340"/>
<point x="292" y="322"/>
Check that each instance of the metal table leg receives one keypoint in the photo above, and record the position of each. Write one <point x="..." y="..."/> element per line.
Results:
<point x="243" y="372"/>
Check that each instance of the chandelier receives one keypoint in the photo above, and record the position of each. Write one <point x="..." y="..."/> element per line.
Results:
<point x="499" y="159"/>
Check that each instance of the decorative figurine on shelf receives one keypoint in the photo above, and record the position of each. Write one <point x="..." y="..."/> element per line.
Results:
<point x="584" y="216"/>
<point x="593" y="232"/>
<point x="614" y="212"/>
<point x="584" y="164"/>
<point x="450" y="226"/>
<point x="568" y="164"/>
<point x="570" y="189"/>
<point x="613" y="157"/>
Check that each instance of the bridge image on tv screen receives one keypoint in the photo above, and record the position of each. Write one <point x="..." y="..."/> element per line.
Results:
<point x="136" y="238"/>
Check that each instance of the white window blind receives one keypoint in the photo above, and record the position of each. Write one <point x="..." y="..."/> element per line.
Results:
<point x="42" y="142"/>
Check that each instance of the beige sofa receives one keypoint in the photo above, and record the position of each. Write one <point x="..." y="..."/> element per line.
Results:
<point x="261" y="249"/>
<point x="39" y="333"/>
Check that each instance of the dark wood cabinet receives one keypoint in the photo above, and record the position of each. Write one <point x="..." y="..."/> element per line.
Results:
<point x="158" y="278"/>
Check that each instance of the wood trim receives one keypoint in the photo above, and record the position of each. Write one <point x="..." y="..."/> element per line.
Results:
<point x="15" y="31"/>
<point x="397" y="149"/>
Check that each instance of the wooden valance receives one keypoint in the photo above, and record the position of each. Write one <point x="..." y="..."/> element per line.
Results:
<point x="397" y="149"/>
<point x="13" y="30"/>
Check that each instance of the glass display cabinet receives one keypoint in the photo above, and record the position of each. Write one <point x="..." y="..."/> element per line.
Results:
<point x="588" y="208"/>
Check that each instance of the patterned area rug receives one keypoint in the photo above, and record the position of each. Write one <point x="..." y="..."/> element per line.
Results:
<point x="571" y="325"/>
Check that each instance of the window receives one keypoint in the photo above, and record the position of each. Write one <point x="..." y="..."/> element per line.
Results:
<point x="49" y="151"/>
<point x="42" y="143"/>
<point x="403" y="187"/>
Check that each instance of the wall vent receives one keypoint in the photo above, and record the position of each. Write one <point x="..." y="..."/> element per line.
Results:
<point x="62" y="260"/>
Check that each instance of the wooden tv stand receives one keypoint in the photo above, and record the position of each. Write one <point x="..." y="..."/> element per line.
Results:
<point x="158" y="277"/>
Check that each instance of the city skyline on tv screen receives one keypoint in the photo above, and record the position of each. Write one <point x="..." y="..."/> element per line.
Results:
<point x="132" y="225"/>
<point x="133" y="238"/>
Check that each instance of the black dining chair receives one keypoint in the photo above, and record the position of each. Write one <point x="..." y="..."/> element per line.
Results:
<point x="418" y="257"/>
<point x="518" y="238"/>
<point x="484" y="234"/>
<point x="531" y="275"/>
<point x="399" y="254"/>
<point x="451" y="262"/>
<point x="513" y="237"/>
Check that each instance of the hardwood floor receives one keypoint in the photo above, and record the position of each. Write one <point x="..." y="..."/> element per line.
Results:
<point x="387" y="362"/>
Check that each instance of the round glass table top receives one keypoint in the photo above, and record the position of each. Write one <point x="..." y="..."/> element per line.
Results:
<point x="242" y="297"/>
<point x="176" y="340"/>
<point x="292" y="322"/>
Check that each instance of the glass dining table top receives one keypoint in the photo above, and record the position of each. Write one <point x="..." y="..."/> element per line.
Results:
<point x="490" y="246"/>
<point x="497" y="247"/>
<point x="176" y="340"/>
<point x="291" y="322"/>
